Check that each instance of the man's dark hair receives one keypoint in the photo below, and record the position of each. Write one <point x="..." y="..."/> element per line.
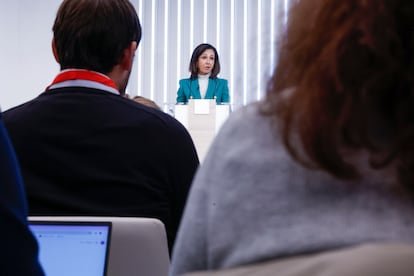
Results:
<point x="92" y="34"/>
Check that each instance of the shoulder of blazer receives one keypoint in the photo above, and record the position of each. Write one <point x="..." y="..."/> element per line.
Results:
<point x="221" y="81"/>
<point x="184" y="81"/>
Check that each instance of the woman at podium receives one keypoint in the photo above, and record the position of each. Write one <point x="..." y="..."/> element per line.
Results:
<point x="203" y="82"/>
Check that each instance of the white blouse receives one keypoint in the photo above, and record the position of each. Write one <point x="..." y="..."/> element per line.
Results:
<point x="203" y="84"/>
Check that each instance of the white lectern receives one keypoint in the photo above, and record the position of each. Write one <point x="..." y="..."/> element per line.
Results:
<point x="203" y="119"/>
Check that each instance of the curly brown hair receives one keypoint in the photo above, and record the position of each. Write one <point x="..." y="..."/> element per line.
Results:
<point x="344" y="80"/>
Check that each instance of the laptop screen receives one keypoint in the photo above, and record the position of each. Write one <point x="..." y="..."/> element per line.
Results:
<point x="72" y="248"/>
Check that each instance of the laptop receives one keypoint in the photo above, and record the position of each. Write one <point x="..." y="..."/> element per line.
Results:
<point x="138" y="246"/>
<point x="68" y="248"/>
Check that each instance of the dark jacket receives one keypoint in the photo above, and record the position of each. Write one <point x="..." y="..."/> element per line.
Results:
<point x="89" y="152"/>
<point x="19" y="254"/>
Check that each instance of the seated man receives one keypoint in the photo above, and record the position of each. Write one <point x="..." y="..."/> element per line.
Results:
<point x="19" y="254"/>
<point x="84" y="149"/>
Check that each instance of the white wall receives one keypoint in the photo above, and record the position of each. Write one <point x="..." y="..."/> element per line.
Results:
<point x="27" y="64"/>
<point x="243" y="31"/>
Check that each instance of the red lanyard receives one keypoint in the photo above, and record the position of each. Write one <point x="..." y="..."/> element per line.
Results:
<point x="75" y="74"/>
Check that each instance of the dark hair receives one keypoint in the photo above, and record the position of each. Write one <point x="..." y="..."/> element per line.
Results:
<point x="345" y="81"/>
<point x="194" y="58"/>
<point x="92" y="34"/>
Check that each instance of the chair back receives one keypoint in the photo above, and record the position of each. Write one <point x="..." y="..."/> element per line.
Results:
<point x="138" y="246"/>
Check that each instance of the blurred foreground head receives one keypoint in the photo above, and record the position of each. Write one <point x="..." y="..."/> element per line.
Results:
<point x="345" y="82"/>
<point x="93" y="34"/>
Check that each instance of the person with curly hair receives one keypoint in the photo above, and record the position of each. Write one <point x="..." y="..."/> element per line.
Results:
<point x="326" y="160"/>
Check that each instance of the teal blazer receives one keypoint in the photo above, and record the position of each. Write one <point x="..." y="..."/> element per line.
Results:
<point x="216" y="88"/>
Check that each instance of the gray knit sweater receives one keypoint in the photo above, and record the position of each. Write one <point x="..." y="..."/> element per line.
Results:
<point x="251" y="202"/>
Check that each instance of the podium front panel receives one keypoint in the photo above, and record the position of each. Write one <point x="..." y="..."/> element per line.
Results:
<point x="203" y="119"/>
